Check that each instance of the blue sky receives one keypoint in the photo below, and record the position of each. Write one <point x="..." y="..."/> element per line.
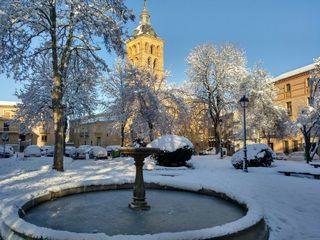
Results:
<point x="281" y="34"/>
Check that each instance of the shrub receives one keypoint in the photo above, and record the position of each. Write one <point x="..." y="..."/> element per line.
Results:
<point x="177" y="158"/>
<point x="175" y="151"/>
<point x="258" y="155"/>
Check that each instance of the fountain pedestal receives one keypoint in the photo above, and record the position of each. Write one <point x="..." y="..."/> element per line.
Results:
<point x="139" y="194"/>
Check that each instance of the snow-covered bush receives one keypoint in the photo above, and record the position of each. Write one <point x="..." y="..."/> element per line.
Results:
<point x="258" y="155"/>
<point x="175" y="150"/>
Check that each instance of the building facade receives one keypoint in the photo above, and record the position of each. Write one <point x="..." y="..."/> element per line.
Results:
<point x="97" y="130"/>
<point x="293" y="94"/>
<point x="40" y="135"/>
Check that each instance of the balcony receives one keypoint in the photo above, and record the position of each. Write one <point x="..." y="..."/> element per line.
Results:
<point x="287" y="95"/>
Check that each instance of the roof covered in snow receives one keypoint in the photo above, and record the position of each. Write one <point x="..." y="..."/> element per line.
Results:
<point x="294" y="72"/>
<point x="95" y="119"/>
<point x="8" y="103"/>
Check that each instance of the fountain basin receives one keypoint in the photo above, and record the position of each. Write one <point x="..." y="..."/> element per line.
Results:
<point x="250" y="226"/>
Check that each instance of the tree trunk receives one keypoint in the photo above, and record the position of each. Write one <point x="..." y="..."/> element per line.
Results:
<point x="151" y="137"/>
<point x="216" y="133"/>
<point x="65" y="127"/>
<point x="122" y="135"/>
<point x="58" y="118"/>
<point x="307" y="145"/>
<point x="268" y="139"/>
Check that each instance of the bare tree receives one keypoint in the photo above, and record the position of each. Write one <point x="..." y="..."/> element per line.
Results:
<point x="215" y="73"/>
<point x="64" y="29"/>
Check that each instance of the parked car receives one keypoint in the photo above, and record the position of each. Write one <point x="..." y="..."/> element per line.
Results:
<point x="78" y="153"/>
<point x="6" y="152"/>
<point x="47" y="150"/>
<point x="68" y="150"/>
<point x="32" y="151"/>
<point x="296" y="156"/>
<point x="208" y="151"/>
<point x="98" y="153"/>
<point x="86" y="148"/>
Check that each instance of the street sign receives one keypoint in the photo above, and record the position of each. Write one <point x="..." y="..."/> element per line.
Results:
<point x="5" y="137"/>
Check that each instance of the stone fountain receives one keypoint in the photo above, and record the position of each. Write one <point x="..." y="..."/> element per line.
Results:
<point x="170" y="213"/>
<point x="139" y="193"/>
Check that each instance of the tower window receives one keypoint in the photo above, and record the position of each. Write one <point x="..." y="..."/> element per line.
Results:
<point x="149" y="62"/>
<point x="158" y="50"/>
<point x="152" y="49"/>
<point x="147" y="48"/>
<point x="155" y="63"/>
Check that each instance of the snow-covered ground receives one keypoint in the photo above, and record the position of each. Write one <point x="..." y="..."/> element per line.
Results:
<point x="290" y="204"/>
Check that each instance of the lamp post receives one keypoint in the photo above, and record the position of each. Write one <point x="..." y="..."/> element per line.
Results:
<point x="312" y="80"/>
<point x="244" y="102"/>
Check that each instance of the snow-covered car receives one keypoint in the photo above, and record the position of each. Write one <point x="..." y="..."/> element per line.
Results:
<point x="97" y="152"/>
<point x="6" y="152"/>
<point x="78" y="153"/>
<point x="175" y="150"/>
<point x="68" y="150"/>
<point x="86" y="148"/>
<point x="281" y="156"/>
<point x="47" y="150"/>
<point x="258" y="155"/>
<point x="32" y="151"/>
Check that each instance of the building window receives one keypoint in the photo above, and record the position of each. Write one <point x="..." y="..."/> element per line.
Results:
<point x="289" y="108"/>
<point x="288" y="90"/>
<point x="6" y="126"/>
<point x="288" y="87"/>
<point x="44" y="138"/>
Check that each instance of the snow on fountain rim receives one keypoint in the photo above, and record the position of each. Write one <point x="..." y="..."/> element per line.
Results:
<point x="11" y="219"/>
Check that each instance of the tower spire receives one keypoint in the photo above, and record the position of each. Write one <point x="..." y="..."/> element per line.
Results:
<point x="145" y="5"/>
<point x="144" y="16"/>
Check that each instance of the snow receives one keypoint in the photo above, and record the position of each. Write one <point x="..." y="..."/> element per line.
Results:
<point x="289" y="204"/>
<point x="295" y="72"/>
<point x="96" y="119"/>
<point x="8" y="103"/>
<point x="170" y="143"/>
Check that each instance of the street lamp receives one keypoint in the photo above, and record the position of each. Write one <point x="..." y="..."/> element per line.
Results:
<point x="220" y="128"/>
<point x="311" y="82"/>
<point x="244" y="102"/>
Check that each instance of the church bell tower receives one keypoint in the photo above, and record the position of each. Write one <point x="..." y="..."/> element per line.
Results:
<point x="145" y="48"/>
